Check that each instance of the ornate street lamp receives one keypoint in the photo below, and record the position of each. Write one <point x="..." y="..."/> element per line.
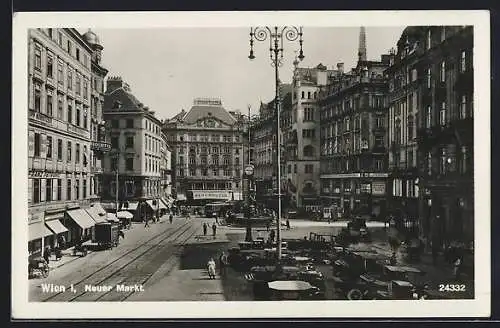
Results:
<point x="276" y="36"/>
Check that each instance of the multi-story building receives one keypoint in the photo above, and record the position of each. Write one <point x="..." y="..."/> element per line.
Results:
<point x="166" y="170"/>
<point x="300" y="131"/>
<point x="136" y="152"/>
<point x="354" y="138"/>
<point x="60" y="179"/>
<point x="207" y="151"/>
<point x="433" y="68"/>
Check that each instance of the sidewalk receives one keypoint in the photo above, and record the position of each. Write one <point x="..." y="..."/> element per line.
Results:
<point x="67" y="254"/>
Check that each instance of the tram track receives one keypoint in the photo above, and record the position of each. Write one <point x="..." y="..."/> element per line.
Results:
<point x="109" y="269"/>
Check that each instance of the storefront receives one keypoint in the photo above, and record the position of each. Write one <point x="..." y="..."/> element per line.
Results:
<point x="59" y="235"/>
<point x="80" y="225"/>
<point x="37" y="231"/>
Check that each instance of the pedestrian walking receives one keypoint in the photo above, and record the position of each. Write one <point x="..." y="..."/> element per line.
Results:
<point x="171" y="218"/>
<point x="46" y="254"/>
<point x="272" y="234"/>
<point x="330" y="217"/>
<point x="287" y="224"/>
<point x="223" y="263"/>
<point x="457" y="268"/>
<point x="211" y="268"/>
<point x="214" y="230"/>
<point x="146" y="222"/>
<point x="205" y="228"/>
<point x="216" y="217"/>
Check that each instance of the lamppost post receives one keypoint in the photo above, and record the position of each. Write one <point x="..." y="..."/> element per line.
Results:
<point x="276" y="36"/>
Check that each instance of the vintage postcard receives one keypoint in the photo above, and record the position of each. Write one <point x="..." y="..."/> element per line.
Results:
<point x="165" y="163"/>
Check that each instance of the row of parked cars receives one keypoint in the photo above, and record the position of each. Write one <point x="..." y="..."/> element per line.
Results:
<point x="356" y="273"/>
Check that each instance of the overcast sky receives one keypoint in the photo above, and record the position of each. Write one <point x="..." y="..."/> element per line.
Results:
<point x="167" y="68"/>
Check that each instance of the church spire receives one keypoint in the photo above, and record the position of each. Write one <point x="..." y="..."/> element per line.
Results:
<point x="362" y="45"/>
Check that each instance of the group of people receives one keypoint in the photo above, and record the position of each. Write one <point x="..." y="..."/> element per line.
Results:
<point x="223" y="265"/>
<point x="205" y="229"/>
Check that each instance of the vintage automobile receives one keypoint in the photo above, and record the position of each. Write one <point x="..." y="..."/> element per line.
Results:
<point x="80" y="249"/>
<point x="281" y="290"/>
<point x="38" y="267"/>
<point x="403" y="283"/>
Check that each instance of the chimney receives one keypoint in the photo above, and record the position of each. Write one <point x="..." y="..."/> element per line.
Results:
<point x="340" y="67"/>
<point x="113" y="83"/>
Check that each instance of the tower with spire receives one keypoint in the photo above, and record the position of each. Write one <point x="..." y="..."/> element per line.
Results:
<point x="362" y="46"/>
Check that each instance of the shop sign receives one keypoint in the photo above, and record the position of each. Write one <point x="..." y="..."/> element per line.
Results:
<point x="378" y="188"/>
<point x="43" y="174"/>
<point x="211" y="194"/>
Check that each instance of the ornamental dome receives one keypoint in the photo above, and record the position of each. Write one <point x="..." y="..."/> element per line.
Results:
<point x="92" y="38"/>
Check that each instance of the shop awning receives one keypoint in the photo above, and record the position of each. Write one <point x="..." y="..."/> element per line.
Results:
<point x="95" y="215"/>
<point x="38" y="230"/>
<point x="150" y="204"/>
<point x="56" y="226"/>
<point x="82" y="218"/>
<point x="111" y="217"/>
<point x="98" y="208"/>
<point x="132" y="206"/>
<point x="125" y="215"/>
<point x="162" y="205"/>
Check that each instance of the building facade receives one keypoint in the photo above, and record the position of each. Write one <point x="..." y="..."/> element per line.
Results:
<point x="434" y="67"/>
<point x="354" y="138"/>
<point x="61" y="183"/>
<point x="166" y="170"/>
<point x="207" y="150"/>
<point x="300" y="135"/>
<point x="136" y="152"/>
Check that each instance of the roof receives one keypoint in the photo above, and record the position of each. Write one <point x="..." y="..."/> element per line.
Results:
<point x="198" y="112"/>
<point x="127" y="100"/>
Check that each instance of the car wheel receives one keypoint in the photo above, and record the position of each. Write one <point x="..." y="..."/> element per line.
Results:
<point x="354" y="295"/>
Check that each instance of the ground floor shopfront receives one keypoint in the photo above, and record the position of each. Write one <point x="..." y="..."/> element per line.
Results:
<point x="62" y="228"/>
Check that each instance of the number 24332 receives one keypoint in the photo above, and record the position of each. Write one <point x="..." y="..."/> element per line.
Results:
<point x="452" y="288"/>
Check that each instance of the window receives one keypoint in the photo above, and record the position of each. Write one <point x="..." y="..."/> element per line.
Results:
<point x="69" y="151"/>
<point x="463" y="107"/>
<point x="411" y="127"/>
<point x="192" y="172"/>
<point x="85" y="119"/>
<point x="70" y="79"/>
<point x="294" y="168"/>
<point x="68" y="189"/>
<point x="443" y="161"/>
<point x="59" y="149"/>
<point x="77" y="189"/>
<point x="50" y="66"/>
<point x="428" y="117"/>
<point x="49" y="32"/>
<point x="38" y="57"/>
<point x="59" y="189"/>
<point x="114" y="164"/>
<point x="85" y="89"/>
<point x="114" y="142"/>
<point x="442" y="114"/>
<point x="60" y="73"/>
<point x="77" y="54"/>
<point x="69" y="49"/>
<point x="227" y="172"/>
<point x="70" y="112"/>
<point x="215" y="172"/>
<point x="59" y="39"/>
<point x="443" y="33"/>
<point x="37" y="144"/>
<point x="379" y="122"/>
<point x="49" y="147"/>
<point x="38" y="96"/>
<point x="308" y="94"/>
<point x="84" y="188"/>
<point x="49" y="104"/>
<point x="308" y="114"/>
<point x="463" y="61"/>
<point x="379" y="165"/>
<point x="289" y="168"/>
<point x="429" y="39"/>
<point x="115" y="124"/>
<point x="78" y="84"/>
<point x="78" y="115"/>
<point x="308" y="168"/>
<point x="130" y="123"/>
<point x="84" y="155"/>
<point x="48" y="190"/>
<point x="429" y="77"/>
<point x="59" y="107"/>
<point x="36" y="191"/>
<point x="129" y="163"/>
<point x="442" y="72"/>
<point x="414" y="75"/>
<point x="237" y="160"/>
<point x="303" y="94"/>
<point x="308" y="151"/>
<point x="237" y="151"/>
<point x="129" y="142"/>
<point x="77" y="153"/>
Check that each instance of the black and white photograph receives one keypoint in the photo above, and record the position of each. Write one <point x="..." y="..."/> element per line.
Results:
<point x="331" y="160"/>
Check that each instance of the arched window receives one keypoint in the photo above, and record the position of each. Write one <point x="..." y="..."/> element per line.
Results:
<point x="303" y="94"/>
